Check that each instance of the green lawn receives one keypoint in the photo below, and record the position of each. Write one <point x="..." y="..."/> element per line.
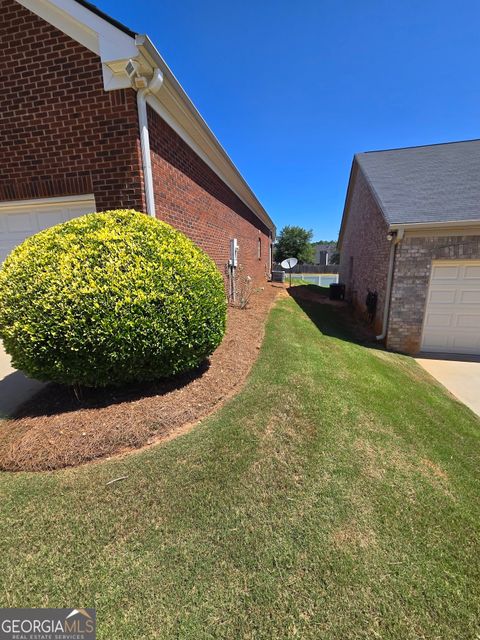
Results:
<point x="336" y="497"/>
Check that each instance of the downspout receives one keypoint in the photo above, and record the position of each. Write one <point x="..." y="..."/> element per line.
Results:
<point x="395" y="238"/>
<point x="142" y="93"/>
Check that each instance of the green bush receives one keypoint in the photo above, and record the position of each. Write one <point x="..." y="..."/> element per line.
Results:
<point x="110" y="298"/>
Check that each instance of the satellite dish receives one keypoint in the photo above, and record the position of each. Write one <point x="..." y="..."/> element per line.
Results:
<point x="289" y="263"/>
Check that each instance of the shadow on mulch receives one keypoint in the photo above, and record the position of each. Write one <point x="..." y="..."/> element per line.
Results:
<point x="56" y="398"/>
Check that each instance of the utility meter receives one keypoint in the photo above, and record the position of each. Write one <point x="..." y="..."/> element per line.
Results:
<point x="233" y="262"/>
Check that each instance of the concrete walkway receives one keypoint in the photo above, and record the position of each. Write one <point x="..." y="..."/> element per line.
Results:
<point x="459" y="374"/>
<point x="15" y="388"/>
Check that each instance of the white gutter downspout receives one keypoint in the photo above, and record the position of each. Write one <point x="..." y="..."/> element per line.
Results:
<point x="154" y="84"/>
<point x="395" y="239"/>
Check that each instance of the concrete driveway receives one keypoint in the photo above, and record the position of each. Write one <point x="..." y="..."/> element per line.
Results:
<point x="459" y="374"/>
<point x="15" y="388"/>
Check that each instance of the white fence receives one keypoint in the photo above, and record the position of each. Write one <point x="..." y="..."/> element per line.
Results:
<point x="320" y="279"/>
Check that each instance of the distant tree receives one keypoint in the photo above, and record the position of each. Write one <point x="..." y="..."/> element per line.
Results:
<point x="294" y="242"/>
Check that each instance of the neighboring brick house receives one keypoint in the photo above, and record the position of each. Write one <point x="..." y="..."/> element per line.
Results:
<point x="411" y="232"/>
<point x="92" y="118"/>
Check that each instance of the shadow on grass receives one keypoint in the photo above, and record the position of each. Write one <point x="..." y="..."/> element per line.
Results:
<point x="55" y="398"/>
<point x="332" y="317"/>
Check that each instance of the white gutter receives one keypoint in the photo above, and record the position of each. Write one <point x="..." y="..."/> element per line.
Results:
<point x="154" y="85"/>
<point x="394" y="239"/>
<point x="412" y="226"/>
<point x="194" y="124"/>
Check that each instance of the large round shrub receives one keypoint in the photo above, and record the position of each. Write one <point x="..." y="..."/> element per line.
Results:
<point x="110" y="298"/>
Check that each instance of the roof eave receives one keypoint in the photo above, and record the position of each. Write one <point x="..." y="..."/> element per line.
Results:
<point x="115" y="44"/>
<point x="393" y="226"/>
<point x="148" y="50"/>
<point x="346" y="205"/>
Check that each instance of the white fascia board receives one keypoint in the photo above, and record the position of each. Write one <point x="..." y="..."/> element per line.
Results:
<point x="394" y="226"/>
<point x="195" y="129"/>
<point x="91" y="31"/>
<point x="65" y="23"/>
<point x="163" y="112"/>
<point x="84" y="26"/>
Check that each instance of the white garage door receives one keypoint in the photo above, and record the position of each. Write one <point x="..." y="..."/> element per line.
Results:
<point x="23" y="218"/>
<point x="452" y="316"/>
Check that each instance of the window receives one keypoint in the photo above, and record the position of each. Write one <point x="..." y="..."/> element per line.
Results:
<point x="259" y="250"/>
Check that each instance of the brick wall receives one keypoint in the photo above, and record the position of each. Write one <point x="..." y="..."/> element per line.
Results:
<point x="60" y="132"/>
<point x="410" y="283"/>
<point x="192" y="198"/>
<point x="365" y="250"/>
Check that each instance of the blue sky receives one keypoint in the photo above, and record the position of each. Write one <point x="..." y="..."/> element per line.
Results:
<point x="294" y="89"/>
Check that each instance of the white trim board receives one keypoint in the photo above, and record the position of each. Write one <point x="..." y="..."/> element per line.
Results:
<point x="46" y="202"/>
<point x="86" y="27"/>
<point x="162" y="111"/>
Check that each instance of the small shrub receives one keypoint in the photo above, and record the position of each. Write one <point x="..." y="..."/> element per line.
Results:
<point x="240" y="286"/>
<point x="110" y="298"/>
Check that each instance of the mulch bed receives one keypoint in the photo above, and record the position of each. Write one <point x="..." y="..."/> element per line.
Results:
<point x="55" y="429"/>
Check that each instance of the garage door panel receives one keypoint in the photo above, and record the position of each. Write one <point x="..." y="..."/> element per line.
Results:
<point x="19" y="223"/>
<point x="449" y="272"/>
<point x="468" y="321"/>
<point x="435" y="341"/>
<point x="19" y="220"/>
<point x="51" y="218"/>
<point x="438" y="320"/>
<point x="437" y="296"/>
<point x="472" y="272"/>
<point x="468" y="296"/>
<point x="452" y="314"/>
<point x="464" y="342"/>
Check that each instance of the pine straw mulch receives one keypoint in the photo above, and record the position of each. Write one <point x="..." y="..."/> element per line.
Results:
<point x="54" y="429"/>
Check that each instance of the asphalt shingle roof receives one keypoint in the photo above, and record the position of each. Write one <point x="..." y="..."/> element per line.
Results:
<point x="435" y="183"/>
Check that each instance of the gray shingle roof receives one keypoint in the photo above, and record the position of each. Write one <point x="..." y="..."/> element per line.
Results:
<point x="435" y="183"/>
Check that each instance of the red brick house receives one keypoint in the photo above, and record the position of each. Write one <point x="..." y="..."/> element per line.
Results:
<point x="411" y="232"/>
<point x="92" y="118"/>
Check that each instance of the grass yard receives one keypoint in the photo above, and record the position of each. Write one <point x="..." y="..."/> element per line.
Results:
<point x="336" y="497"/>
